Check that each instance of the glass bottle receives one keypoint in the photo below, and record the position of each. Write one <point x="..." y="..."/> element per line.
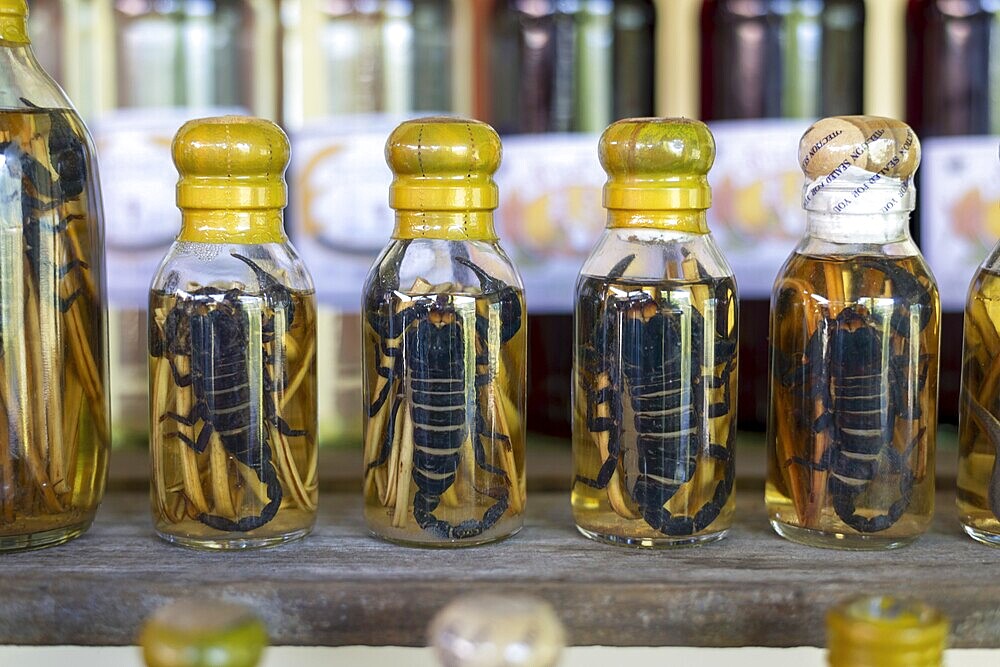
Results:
<point x="979" y="408"/>
<point x="173" y="60"/>
<point x="352" y="70"/>
<point x="953" y="102"/>
<point x="444" y="348"/>
<point x="232" y="349"/>
<point x="854" y="342"/>
<point x="195" y="632"/>
<point x="53" y="372"/>
<point x="558" y="73"/>
<point x="768" y="69"/>
<point x="880" y="631"/>
<point x="655" y="367"/>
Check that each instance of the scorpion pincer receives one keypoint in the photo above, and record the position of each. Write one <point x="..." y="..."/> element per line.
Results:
<point x="211" y="330"/>
<point x="430" y="362"/>
<point x="642" y="359"/>
<point x="862" y="393"/>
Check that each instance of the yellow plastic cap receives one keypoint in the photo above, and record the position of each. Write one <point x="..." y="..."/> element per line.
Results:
<point x="884" y="146"/>
<point x="443" y="164"/>
<point x="882" y="631"/>
<point x="14" y="21"/>
<point x="231" y="163"/>
<point x="657" y="164"/>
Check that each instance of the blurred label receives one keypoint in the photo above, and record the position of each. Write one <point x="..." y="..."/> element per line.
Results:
<point x="550" y="214"/>
<point x="339" y="216"/>
<point x="959" y="199"/>
<point x="138" y="183"/>
<point x="756" y="213"/>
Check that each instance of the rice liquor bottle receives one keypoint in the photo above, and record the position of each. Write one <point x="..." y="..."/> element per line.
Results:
<point x="854" y="342"/>
<point x="53" y="335"/>
<point x="232" y="349"/>
<point x="444" y="348"/>
<point x="655" y="367"/>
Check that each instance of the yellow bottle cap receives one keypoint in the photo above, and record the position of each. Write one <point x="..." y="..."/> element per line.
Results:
<point x="14" y="21"/>
<point x="232" y="185"/>
<point x="443" y="164"/>
<point x="193" y="633"/>
<point x="885" y="632"/>
<point x="657" y="164"/>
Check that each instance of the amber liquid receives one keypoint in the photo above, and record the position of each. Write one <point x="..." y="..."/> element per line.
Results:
<point x="53" y="458"/>
<point x="221" y="481"/>
<point x="392" y="487"/>
<point x="979" y="430"/>
<point x="821" y="400"/>
<point x="699" y="357"/>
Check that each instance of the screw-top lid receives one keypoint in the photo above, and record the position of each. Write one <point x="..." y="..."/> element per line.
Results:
<point x="872" y="158"/>
<point x="190" y="633"/>
<point x="885" y="632"/>
<point x="657" y="164"/>
<point x="443" y="164"/>
<point x="14" y="21"/>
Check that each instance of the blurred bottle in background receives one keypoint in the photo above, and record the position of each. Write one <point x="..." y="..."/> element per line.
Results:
<point x="953" y="102"/>
<point x="551" y="76"/>
<point x="768" y="68"/>
<point x="173" y="60"/>
<point x="352" y="70"/>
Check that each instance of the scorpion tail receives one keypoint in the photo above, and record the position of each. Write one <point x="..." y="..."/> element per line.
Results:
<point x="268" y="512"/>
<point x="664" y="521"/>
<point x="423" y="511"/>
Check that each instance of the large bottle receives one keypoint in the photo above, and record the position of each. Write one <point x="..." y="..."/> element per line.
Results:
<point x="953" y="101"/>
<point x="53" y="372"/>
<point x="855" y="325"/>
<point x="352" y="70"/>
<point x="979" y="410"/>
<point x="769" y="68"/>
<point x="554" y="74"/>
<point x="654" y="389"/>
<point x="232" y="349"/>
<point x="444" y="348"/>
<point x="172" y="60"/>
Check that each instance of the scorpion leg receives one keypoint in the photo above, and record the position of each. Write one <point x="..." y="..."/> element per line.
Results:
<point x="179" y="379"/>
<point x="385" y="451"/>
<point x="609" y="425"/>
<point x="507" y="297"/>
<point x="284" y="428"/>
<point x="991" y="428"/>
<point x="480" y="449"/>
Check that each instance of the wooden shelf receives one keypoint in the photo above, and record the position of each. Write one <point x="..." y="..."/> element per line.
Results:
<point x="342" y="587"/>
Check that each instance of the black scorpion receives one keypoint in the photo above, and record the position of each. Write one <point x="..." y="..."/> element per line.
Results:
<point x="43" y="191"/>
<point x="668" y="418"/>
<point x="842" y="368"/>
<point x="431" y="362"/>
<point x="211" y="330"/>
<point x="991" y="430"/>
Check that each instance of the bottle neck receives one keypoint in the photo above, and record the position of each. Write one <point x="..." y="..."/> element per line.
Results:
<point x="688" y="221"/>
<point x="445" y="225"/>
<point x="865" y="228"/>
<point x="246" y="227"/>
<point x="13" y="30"/>
<point x="23" y="82"/>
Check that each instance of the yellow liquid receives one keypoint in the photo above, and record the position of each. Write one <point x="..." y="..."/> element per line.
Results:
<point x="821" y="408"/>
<point x="696" y="503"/>
<point x="53" y="458"/>
<point x="191" y="488"/>
<point x="476" y="490"/>
<point x="979" y="430"/>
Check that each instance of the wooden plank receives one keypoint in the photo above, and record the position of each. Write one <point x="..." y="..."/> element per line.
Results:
<point x="341" y="587"/>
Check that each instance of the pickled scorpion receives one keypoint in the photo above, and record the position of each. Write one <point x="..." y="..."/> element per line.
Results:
<point x="210" y="328"/>
<point x="991" y="429"/>
<point x="643" y="359"/>
<point x="430" y="363"/>
<point x="842" y="369"/>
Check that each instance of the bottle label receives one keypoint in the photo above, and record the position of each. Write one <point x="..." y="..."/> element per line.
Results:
<point x="756" y="215"/>
<point x="138" y="183"/>
<point x="338" y="211"/>
<point x="550" y="215"/>
<point x="959" y="210"/>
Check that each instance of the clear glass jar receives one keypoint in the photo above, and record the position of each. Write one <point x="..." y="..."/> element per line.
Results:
<point x="655" y="354"/>
<point x="232" y="350"/>
<point x="444" y="348"/>
<point x="978" y="424"/>
<point x="855" y="325"/>
<point x="53" y="335"/>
